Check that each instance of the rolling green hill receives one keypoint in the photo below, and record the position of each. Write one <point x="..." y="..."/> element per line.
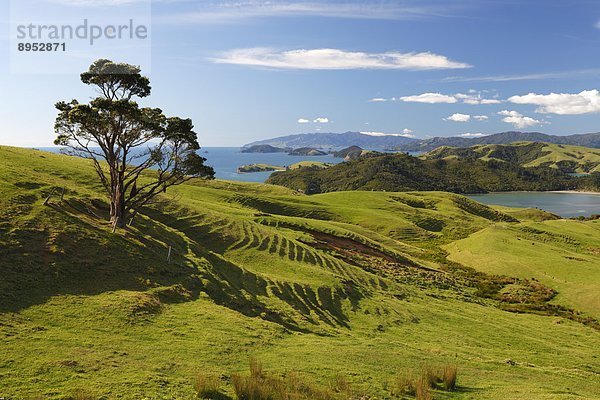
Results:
<point x="349" y="289"/>
<point x="402" y="172"/>
<point x="571" y="159"/>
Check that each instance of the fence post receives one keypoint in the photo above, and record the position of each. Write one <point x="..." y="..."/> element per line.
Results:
<point x="49" y="196"/>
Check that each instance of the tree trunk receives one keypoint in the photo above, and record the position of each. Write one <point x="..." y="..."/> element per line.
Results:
<point x="118" y="219"/>
<point x="118" y="216"/>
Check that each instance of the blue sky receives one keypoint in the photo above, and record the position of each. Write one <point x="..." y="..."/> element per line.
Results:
<point x="249" y="70"/>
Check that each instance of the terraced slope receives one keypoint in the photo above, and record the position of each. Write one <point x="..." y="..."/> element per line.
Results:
<point x="352" y="284"/>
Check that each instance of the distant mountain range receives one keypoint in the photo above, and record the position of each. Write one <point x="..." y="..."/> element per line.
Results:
<point x="370" y="141"/>
<point x="336" y="140"/>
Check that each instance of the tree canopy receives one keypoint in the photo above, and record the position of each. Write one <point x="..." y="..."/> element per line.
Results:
<point x="138" y="152"/>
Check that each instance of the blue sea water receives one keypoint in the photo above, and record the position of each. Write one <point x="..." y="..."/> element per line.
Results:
<point x="565" y="204"/>
<point x="226" y="160"/>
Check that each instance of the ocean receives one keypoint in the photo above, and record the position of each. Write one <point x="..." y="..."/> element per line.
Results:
<point x="226" y="160"/>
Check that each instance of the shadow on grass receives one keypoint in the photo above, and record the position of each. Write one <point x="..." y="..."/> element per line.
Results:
<point x="67" y="248"/>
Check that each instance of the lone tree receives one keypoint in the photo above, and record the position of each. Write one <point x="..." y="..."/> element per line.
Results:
<point x="138" y="152"/>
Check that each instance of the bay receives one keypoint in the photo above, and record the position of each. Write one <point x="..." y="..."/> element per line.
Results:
<point x="565" y="204"/>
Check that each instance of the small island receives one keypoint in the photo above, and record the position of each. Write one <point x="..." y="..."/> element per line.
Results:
<point x="307" y="151"/>
<point x="245" y="169"/>
<point x="263" y="148"/>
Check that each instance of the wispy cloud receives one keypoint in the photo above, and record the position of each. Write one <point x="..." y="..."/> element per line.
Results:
<point x="335" y="59"/>
<point x="473" y="135"/>
<point x="303" y="121"/>
<point x="377" y="100"/>
<point x="585" y="102"/>
<point x="94" y="3"/>
<point x="403" y="134"/>
<point x="231" y="11"/>
<point x="525" y="77"/>
<point x="321" y="120"/>
<point x="474" y="97"/>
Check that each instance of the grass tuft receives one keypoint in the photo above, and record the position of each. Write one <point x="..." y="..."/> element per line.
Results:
<point x="449" y="377"/>
<point x="82" y="394"/>
<point x="262" y="386"/>
<point x="431" y="378"/>
<point x="339" y="384"/>
<point x="423" y="388"/>
<point x="256" y="370"/>
<point x="403" y="383"/>
<point x="207" y="386"/>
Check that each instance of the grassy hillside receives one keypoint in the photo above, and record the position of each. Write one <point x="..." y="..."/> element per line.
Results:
<point x="402" y="172"/>
<point x="586" y="140"/>
<point x="351" y="290"/>
<point x="573" y="159"/>
<point x="316" y="164"/>
<point x="569" y="264"/>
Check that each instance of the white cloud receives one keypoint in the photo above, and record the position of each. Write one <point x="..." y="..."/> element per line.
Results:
<point x="377" y="100"/>
<point x="303" y="121"/>
<point x="585" y="102"/>
<point x="321" y="120"/>
<point x="518" y="120"/>
<point x="335" y="59"/>
<point x="458" y="117"/>
<point x="473" y="97"/>
<point x="480" y="117"/>
<point x="430" y="98"/>
<point x="407" y="131"/>
<point x="235" y="10"/>
<point x="473" y="135"/>
<point x="404" y="134"/>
